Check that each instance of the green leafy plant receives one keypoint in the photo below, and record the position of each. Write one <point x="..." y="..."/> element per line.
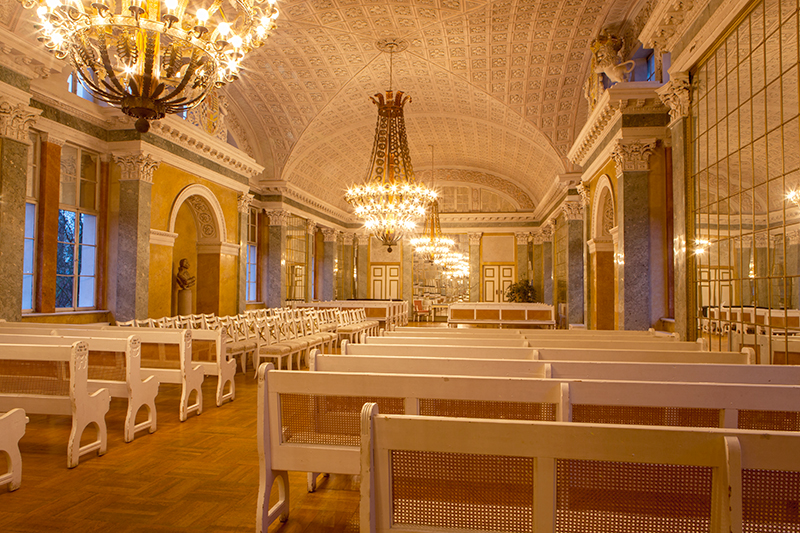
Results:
<point x="521" y="292"/>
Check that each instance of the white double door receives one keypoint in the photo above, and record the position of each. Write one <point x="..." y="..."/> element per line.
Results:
<point x="385" y="281"/>
<point x="495" y="279"/>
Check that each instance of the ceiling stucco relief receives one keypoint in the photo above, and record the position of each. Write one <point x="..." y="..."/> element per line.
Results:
<point x="448" y="176"/>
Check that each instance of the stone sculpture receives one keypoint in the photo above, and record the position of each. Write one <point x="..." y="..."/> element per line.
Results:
<point x="183" y="278"/>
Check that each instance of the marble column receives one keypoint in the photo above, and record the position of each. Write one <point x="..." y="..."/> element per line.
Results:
<point x="675" y="94"/>
<point x="633" y="223"/>
<point x="793" y="270"/>
<point x="347" y="266"/>
<point x="536" y="263"/>
<point x="311" y="232"/>
<point x="363" y="266"/>
<point x="328" y="263"/>
<point x="588" y="318"/>
<point x="761" y="268"/>
<point x="244" y="202"/>
<point x="546" y="236"/>
<point x="408" y="272"/>
<point x="474" y="266"/>
<point x="15" y="122"/>
<point x="573" y="213"/>
<point x="522" y="239"/>
<point x="47" y="222"/>
<point x="276" y="258"/>
<point x="133" y="234"/>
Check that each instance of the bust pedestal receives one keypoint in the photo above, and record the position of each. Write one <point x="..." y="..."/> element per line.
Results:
<point x="184" y="301"/>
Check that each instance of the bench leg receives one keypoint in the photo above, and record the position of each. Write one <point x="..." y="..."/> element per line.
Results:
<point x="280" y="510"/>
<point x="227" y="371"/>
<point x="312" y="480"/>
<point x="143" y="396"/>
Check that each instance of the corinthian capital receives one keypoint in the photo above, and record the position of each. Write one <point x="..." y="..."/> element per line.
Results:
<point x="278" y="217"/>
<point x="583" y="190"/>
<point x="244" y="202"/>
<point x="474" y="238"/>
<point x="16" y="120"/>
<point x="136" y="167"/>
<point x="676" y="94"/>
<point x="633" y="155"/>
<point x="522" y="237"/>
<point x="573" y="210"/>
<point x="330" y="234"/>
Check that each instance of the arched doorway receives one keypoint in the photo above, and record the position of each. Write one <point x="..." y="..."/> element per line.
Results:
<point x="197" y="219"/>
<point x="601" y="256"/>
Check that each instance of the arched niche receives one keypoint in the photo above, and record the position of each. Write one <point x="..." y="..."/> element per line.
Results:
<point x="601" y="256"/>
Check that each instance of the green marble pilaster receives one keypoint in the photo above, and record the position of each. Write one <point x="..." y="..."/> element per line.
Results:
<point x="13" y="176"/>
<point x="573" y="212"/>
<point x="347" y="267"/>
<point x="328" y="263"/>
<point x="521" y="239"/>
<point x="408" y="279"/>
<point x="474" y="266"/>
<point x="276" y="259"/>
<point x="311" y="232"/>
<point x="362" y="266"/>
<point x="244" y="215"/>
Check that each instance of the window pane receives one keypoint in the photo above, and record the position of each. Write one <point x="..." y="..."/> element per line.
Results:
<point x="69" y="174"/>
<point x="88" y="229"/>
<point x="86" y="260"/>
<point x="30" y="220"/>
<point x="66" y="226"/>
<point x="27" y="292"/>
<point x="86" y="292"/>
<point x="65" y="259"/>
<point x="27" y="258"/>
<point x="88" y="180"/>
<point x="64" y="291"/>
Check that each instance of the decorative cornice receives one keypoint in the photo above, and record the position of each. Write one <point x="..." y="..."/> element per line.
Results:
<point x="137" y="166"/>
<point x="16" y="120"/>
<point x="290" y="191"/>
<point x="572" y="210"/>
<point x="277" y="217"/>
<point x="225" y="248"/>
<point x="243" y="203"/>
<point x="474" y="238"/>
<point x="623" y="98"/>
<point x="633" y="156"/>
<point x="604" y="245"/>
<point x="676" y="95"/>
<point x="669" y="20"/>
<point x="49" y="138"/>
<point x="162" y="238"/>
<point x="330" y="234"/>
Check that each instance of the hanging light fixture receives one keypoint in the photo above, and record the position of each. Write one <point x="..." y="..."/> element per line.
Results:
<point x="389" y="201"/>
<point x="150" y="58"/>
<point x="432" y="243"/>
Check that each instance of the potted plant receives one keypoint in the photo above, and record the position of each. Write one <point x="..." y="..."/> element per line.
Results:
<point x="521" y="292"/>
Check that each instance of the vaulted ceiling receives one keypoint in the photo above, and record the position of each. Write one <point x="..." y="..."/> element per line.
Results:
<point x="496" y="89"/>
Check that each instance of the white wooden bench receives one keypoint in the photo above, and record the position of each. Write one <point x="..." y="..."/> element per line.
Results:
<point x="606" y="370"/>
<point x="532" y="333"/>
<point x="657" y="354"/>
<point x="502" y="314"/>
<point x="431" y="341"/>
<point x="114" y="364"/>
<point x="12" y="428"/>
<point x="448" y="474"/>
<point x="53" y="380"/>
<point x="307" y="420"/>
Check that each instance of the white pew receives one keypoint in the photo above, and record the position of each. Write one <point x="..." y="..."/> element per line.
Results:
<point x="450" y="474"/>
<point x="532" y="333"/>
<point x="307" y="419"/>
<point x="590" y="344"/>
<point x="653" y="355"/>
<point x="55" y="383"/>
<point x="471" y="341"/>
<point x="613" y="371"/>
<point x="114" y="364"/>
<point x="12" y="428"/>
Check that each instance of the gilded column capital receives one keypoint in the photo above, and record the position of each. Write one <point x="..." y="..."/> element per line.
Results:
<point x="16" y="120"/>
<point x="277" y="217"/>
<point x="633" y="155"/>
<point x="136" y="166"/>
<point x="243" y="203"/>
<point x="676" y="94"/>
<point x="475" y="238"/>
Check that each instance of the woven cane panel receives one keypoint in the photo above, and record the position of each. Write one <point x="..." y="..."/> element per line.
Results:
<point x="601" y="497"/>
<point x="770" y="501"/>
<point x="108" y="366"/>
<point x="462" y="491"/>
<point x="160" y="355"/>
<point x="34" y="377"/>
<point x="488" y="409"/>
<point x="330" y="420"/>
<point x="770" y="420"/>
<point x="647" y="416"/>
<point x="204" y="351"/>
<point x="513" y="314"/>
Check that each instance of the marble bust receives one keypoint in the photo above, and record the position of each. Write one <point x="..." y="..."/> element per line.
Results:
<point x="183" y="278"/>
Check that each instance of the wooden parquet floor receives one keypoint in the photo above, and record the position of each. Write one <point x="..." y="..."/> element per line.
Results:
<point x="199" y="475"/>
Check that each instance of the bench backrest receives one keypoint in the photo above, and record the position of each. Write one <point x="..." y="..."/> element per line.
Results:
<point x="539" y="476"/>
<point x="471" y="341"/>
<point x="59" y="369"/>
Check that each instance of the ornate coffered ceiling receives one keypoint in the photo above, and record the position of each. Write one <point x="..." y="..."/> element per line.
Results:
<point x="496" y="87"/>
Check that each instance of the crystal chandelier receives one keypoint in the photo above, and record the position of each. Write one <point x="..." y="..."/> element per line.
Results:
<point x="432" y="243"/>
<point x="153" y="58"/>
<point x="389" y="201"/>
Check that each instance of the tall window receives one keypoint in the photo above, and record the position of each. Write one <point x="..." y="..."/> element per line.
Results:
<point x="31" y="200"/>
<point x="295" y="258"/>
<point x="77" y="229"/>
<point x="252" y="235"/>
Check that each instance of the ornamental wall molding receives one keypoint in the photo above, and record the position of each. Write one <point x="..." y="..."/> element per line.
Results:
<point x="207" y="211"/>
<point x="278" y="217"/>
<point x="136" y="167"/>
<point x="474" y="238"/>
<point x="633" y="155"/>
<point x="676" y="95"/>
<point x="162" y="238"/>
<point x="243" y="203"/>
<point x="668" y="22"/>
<point x="289" y="191"/>
<point x="511" y="219"/>
<point x="50" y="138"/>
<point x="621" y="99"/>
<point x="102" y="117"/>
<point x="16" y="120"/>
<point x="224" y="248"/>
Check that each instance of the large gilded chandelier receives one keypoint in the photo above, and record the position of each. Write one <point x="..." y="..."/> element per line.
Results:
<point x="432" y="243"/>
<point x="389" y="201"/>
<point x="150" y="58"/>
